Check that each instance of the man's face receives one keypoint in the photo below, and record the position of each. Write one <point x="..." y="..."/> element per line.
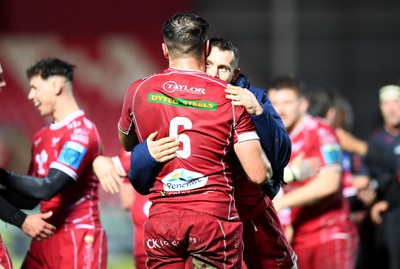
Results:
<point x="42" y="94"/>
<point x="390" y="109"/>
<point x="2" y="81"/>
<point x="288" y="105"/>
<point x="221" y="64"/>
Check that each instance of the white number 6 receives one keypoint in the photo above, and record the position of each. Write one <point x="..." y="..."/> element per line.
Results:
<point x="173" y="131"/>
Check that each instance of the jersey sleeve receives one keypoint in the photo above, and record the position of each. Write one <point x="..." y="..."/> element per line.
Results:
<point x="125" y="123"/>
<point x="77" y="152"/>
<point x="329" y="148"/>
<point x="143" y="169"/>
<point x="244" y="128"/>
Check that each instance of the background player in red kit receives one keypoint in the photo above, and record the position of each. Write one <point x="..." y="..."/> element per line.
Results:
<point x="324" y="236"/>
<point x="32" y="225"/>
<point x="112" y="173"/>
<point x="62" y="175"/>
<point x="192" y="196"/>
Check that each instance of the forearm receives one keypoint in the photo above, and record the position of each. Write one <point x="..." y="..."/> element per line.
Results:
<point x="18" y="200"/>
<point x="128" y="142"/>
<point x="143" y="170"/>
<point x="11" y="214"/>
<point x="322" y="186"/>
<point x="35" y="187"/>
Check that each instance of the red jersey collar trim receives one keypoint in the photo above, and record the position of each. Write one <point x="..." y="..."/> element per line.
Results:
<point x="186" y="70"/>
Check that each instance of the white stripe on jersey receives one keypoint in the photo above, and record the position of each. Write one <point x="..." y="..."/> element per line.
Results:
<point x="65" y="169"/>
<point x="248" y="136"/>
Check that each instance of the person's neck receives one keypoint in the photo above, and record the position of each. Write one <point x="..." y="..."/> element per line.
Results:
<point x="64" y="109"/>
<point x="188" y="64"/>
<point x="296" y="125"/>
<point x="394" y="130"/>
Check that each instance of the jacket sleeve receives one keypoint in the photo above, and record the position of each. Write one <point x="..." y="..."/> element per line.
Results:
<point x="10" y="213"/>
<point x="143" y="169"/>
<point x="36" y="187"/>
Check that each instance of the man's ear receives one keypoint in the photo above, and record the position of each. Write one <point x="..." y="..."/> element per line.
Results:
<point x="236" y="74"/>
<point x="207" y="48"/>
<point x="165" y="50"/>
<point x="304" y="104"/>
<point x="57" y="86"/>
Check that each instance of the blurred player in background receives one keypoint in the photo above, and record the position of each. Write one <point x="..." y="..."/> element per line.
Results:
<point x="323" y="234"/>
<point x="61" y="173"/>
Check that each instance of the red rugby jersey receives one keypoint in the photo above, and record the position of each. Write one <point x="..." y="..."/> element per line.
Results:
<point x="191" y="106"/>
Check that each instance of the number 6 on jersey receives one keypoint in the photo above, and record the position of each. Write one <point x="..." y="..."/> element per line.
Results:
<point x="185" y="139"/>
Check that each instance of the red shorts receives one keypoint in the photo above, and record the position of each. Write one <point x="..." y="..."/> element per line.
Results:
<point x="5" y="261"/>
<point x="265" y="244"/>
<point x="336" y="253"/>
<point x="171" y="238"/>
<point x="75" y="248"/>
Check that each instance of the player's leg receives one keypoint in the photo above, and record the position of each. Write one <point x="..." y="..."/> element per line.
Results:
<point x="265" y="243"/>
<point x="83" y="248"/>
<point x="5" y="260"/>
<point x="164" y="236"/>
<point x="216" y="242"/>
<point x="171" y="238"/>
<point x="338" y="253"/>
<point x="42" y="255"/>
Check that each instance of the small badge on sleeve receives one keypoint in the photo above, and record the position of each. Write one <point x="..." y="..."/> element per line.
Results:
<point x="332" y="153"/>
<point x="72" y="154"/>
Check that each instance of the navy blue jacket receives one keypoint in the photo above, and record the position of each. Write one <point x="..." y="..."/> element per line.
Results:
<point x="273" y="137"/>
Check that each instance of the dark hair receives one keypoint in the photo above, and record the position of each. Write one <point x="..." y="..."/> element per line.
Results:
<point x="185" y="34"/>
<point x="225" y="44"/>
<point x="51" y="67"/>
<point x="287" y="81"/>
<point x="320" y="101"/>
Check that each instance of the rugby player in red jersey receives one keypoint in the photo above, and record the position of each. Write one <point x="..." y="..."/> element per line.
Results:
<point x="323" y="234"/>
<point x="61" y="173"/>
<point x="192" y="196"/>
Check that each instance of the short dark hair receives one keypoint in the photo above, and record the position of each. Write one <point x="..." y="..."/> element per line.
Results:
<point x="287" y="81"/>
<point x="51" y="67"/>
<point x="185" y="34"/>
<point x="225" y="44"/>
<point x="320" y="101"/>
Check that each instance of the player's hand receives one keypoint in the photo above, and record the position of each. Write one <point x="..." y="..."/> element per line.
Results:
<point x="278" y="203"/>
<point x="245" y="98"/>
<point x="109" y="175"/>
<point x="164" y="149"/>
<point x="377" y="210"/>
<point x="367" y="196"/>
<point x="36" y="227"/>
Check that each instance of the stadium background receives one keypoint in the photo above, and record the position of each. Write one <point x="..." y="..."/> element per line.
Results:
<point x="349" y="46"/>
